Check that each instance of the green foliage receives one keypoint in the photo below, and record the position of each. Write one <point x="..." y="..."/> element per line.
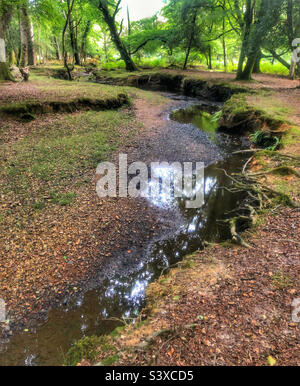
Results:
<point x="265" y="140"/>
<point x="87" y="348"/>
<point x="281" y="280"/>
<point x="110" y="360"/>
<point x="200" y="32"/>
<point x="61" y="199"/>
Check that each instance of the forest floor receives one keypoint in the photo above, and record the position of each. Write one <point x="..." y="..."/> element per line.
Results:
<point x="223" y="306"/>
<point x="52" y="225"/>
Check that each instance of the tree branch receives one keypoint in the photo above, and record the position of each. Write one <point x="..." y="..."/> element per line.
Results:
<point x="145" y="42"/>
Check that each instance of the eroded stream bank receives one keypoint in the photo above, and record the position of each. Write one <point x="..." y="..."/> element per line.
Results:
<point x="120" y="289"/>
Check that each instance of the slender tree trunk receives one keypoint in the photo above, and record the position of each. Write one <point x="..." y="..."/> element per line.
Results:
<point x="129" y="27"/>
<point x="31" y="50"/>
<point x="84" y="41"/>
<point x="279" y="58"/>
<point x="209" y="58"/>
<point x="224" y="48"/>
<point x="292" y="73"/>
<point x="57" y="48"/>
<point x="110" y="21"/>
<point x="74" y="43"/>
<point x="192" y="36"/>
<point x="105" y="47"/>
<point x="291" y="36"/>
<point x="23" y="38"/>
<point x="38" y="41"/>
<point x="70" y="5"/>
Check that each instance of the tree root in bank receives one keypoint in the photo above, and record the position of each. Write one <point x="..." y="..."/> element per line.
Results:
<point x="259" y="197"/>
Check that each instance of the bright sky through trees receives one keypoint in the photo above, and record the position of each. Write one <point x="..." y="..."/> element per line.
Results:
<point x="140" y="9"/>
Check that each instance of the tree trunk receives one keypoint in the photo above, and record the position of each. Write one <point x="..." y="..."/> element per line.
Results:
<point x="84" y="40"/>
<point x="224" y="47"/>
<point x="292" y="73"/>
<point x="27" y="43"/>
<point x="38" y="42"/>
<point x="245" y="42"/>
<point x="256" y="68"/>
<point x="256" y="38"/>
<point x="129" y="28"/>
<point x="57" y="49"/>
<point x="74" y="43"/>
<point x="248" y="70"/>
<point x="110" y="21"/>
<point x="209" y="58"/>
<point x="105" y="48"/>
<point x="23" y="38"/>
<point x="291" y="36"/>
<point x="280" y="59"/>
<point x="5" y="17"/>
<point x="190" y="42"/>
<point x="31" y="51"/>
<point x="70" y="5"/>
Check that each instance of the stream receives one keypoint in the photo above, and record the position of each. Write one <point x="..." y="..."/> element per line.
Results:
<point x="119" y="294"/>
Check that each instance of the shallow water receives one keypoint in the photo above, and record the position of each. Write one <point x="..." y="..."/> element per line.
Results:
<point x="123" y="294"/>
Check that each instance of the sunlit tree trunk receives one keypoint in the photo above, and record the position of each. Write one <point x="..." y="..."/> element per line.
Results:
<point x="23" y="38"/>
<point x="27" y="42"/>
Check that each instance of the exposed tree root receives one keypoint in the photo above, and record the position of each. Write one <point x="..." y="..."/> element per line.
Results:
<point x="259" y="196"/>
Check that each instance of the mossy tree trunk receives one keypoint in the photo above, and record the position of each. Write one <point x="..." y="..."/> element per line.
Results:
<point x="109" y="18"/>
<point x="5" y="17"/>
<point x="248" y="21"/>
<point x="256" y="68"/>
<point x="267" y="16"/>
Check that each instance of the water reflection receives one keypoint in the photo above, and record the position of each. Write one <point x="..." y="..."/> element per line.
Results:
<point x="123" y="295"/>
